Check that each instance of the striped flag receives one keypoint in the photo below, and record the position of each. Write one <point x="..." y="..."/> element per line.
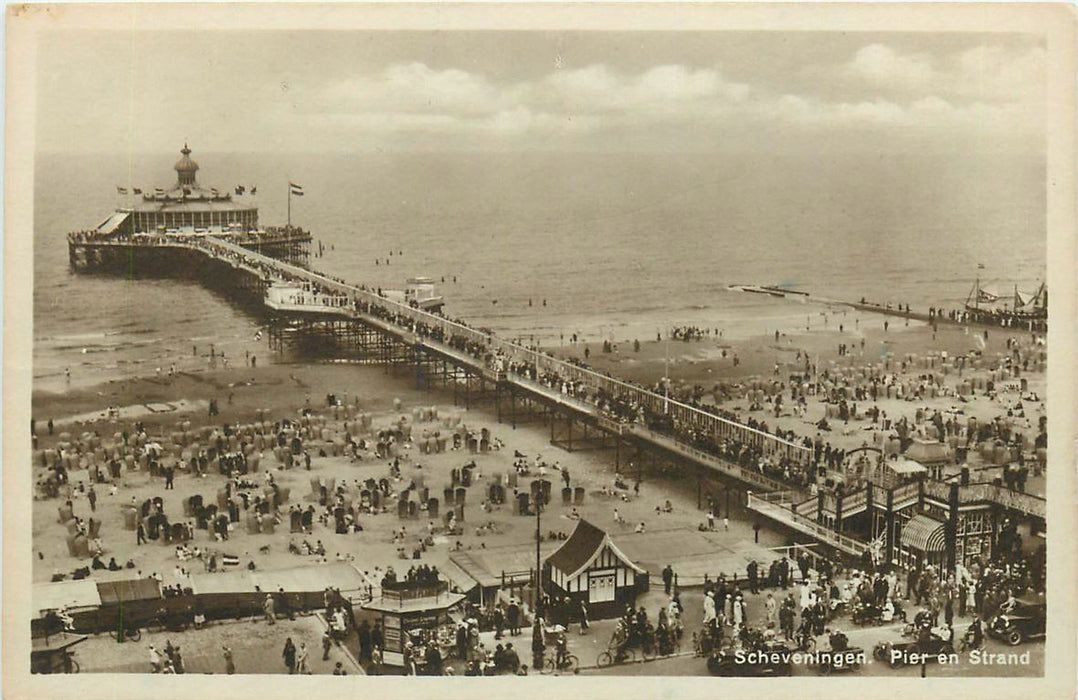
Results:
<point x="229" y="560"/>
<point x="240" y="189"/>
<point x="296" y="190"/>
<point x="138" y="190"/>
<point x="253" y="189"/>
<point x="121" y="190"/>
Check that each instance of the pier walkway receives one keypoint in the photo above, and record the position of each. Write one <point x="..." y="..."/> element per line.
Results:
<point x="529" y="370"/>
<point x="615" y="406"/>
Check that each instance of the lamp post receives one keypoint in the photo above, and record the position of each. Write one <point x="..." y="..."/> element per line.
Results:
<point x="666" y="373"/>
<point x="538" y="562"/>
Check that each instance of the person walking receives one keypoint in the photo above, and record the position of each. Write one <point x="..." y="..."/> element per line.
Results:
<point x="91" y="496"/>
<point x="140" y="535"/>
<point x="269" y="609"/>
<point x="753" y="572"/>
<point x="301" y="659"/>
<point x="155" y="660"/>
<point x="289" y="655"/>
<point x="376" y="660"/>
<point x="327" y="644"/>
<point x="668" y="578"/>
<point x="230" y="664"/>
<point x="177" y="661"/>
<point x="364" y="634"/>
<point x="513" y="615"/>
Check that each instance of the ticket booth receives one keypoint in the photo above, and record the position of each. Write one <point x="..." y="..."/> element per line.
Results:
<point x="589" y="567"/>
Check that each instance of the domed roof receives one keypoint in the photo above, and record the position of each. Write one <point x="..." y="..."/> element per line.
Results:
<point x="185" y="164"/>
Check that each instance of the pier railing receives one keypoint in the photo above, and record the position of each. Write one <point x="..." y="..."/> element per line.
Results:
<point x="989" y="493"/>
<point x="336" y="296"/>
<point x="782" y="511"/>
<point x="681" y="413"/>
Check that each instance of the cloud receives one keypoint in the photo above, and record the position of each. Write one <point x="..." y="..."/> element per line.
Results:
<point x="980" y="73"/>
<point x="567" y="99"/>
<point x="881" y="65"/>
<point x="993" y="90"/>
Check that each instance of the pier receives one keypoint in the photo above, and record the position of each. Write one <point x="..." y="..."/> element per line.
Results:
<point x="584" y="409"/>
<point x="520" y="382"/>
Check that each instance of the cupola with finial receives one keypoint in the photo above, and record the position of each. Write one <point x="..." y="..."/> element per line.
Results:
<point x="186" y="168"/>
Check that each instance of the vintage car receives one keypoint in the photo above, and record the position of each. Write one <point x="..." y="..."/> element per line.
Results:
<point x="902" y="653"/>
<point x="1025" y="621"/>
<point x="767" y="658"/>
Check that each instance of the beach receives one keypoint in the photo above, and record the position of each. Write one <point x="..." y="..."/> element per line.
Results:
<point x="284" y="390"/>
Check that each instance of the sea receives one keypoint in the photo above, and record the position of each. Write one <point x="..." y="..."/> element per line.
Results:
<point x="540" y="246"/>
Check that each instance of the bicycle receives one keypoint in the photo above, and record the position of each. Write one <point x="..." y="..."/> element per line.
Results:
<point x="649" y="648"/>
<point x="610" y="657"/>
<point x="71" y="664"/>
<point x="133" y="634"/>
<point x="805" y="642"/>
<point x="569" y="663"/>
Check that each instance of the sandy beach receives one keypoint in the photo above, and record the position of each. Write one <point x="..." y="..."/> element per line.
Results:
<point x="284" y="391"/>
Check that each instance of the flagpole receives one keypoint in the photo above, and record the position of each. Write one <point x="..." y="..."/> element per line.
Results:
<point x="290" y="203"/>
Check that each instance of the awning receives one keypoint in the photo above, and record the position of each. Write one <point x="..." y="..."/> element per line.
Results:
<point x="66" y="594"/>
<point x="342" y="576"/>
<point x="906" y="467"/>
<point x="307" y="579"/>
<point x="127" y="591"/>
<point x="112" y="223"/>
<point x="457" y="576"/>
<point x="929" y="452"/>
<point x="923" y="534"/>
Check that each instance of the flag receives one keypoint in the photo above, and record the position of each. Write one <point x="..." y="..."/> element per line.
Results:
<point x="980" y="266"/>
<point x="295" y="189"/>
<point x="229" y="560"/>
<point x="138" y="190"/>
<point x="121" y="190"/>
<point x="253" y="189"/>
<point x="240" y="189"/>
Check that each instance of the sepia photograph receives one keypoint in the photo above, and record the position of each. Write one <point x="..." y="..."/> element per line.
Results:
<point x="364" y="341"/>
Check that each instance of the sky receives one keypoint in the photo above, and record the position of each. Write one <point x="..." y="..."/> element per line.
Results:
<point x="345" y="91"/>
